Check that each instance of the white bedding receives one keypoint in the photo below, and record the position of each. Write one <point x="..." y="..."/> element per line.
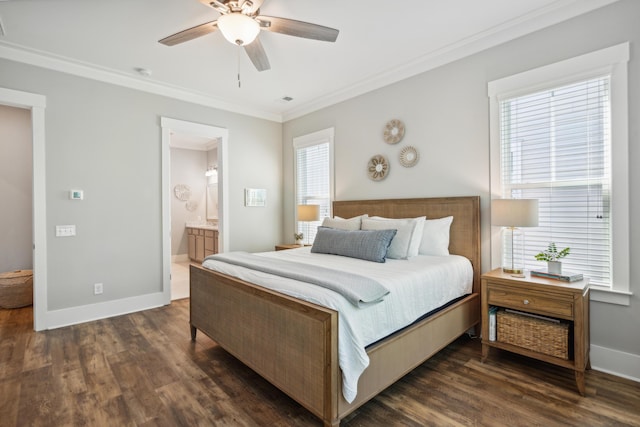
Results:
<point x="417" y="286"/>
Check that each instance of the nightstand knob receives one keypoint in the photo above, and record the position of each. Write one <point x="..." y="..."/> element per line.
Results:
<point x="525" y="302"/>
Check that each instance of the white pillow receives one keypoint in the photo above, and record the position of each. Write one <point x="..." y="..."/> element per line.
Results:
<point x="435" y="236"/>
<point x="406" y="242"/>
<point x="350" y="224"/>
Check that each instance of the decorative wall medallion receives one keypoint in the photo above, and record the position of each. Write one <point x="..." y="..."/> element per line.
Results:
<point x="182" y="192"/>
<point x="393" y="131"/>
<point x="409" y="156"/>
<point x="378" y="168"/>
<point x="191" y="205"/>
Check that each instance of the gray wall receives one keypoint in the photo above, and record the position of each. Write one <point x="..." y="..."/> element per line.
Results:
<point x="106" y="140"/>
<point x="16" y="239"/>
<point x="446" y="112"/>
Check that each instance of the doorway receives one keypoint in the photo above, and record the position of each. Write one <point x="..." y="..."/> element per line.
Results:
<point x="174" y="131"/>
<point x="194" y="159"/>
<point x="16" y="250"/>
<point x="36" y="104"/>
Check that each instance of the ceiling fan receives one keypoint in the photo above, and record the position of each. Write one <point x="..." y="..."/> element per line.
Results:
<point x="240" y="22"/>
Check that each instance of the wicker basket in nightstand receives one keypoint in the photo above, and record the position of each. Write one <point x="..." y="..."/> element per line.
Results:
<point x="539" y="335"/>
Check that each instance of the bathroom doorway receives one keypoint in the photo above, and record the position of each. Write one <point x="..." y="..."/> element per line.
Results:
<point x="194" y="165"/>
<point x="189" y="151"/>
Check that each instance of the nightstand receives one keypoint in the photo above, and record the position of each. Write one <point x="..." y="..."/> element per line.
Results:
<point x="562" y="305"/>
<point x="283" y="247"/>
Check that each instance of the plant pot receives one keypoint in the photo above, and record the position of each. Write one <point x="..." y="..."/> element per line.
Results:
<point x="554" y="267"/>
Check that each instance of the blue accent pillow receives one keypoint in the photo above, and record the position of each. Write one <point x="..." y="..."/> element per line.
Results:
<point x="370" y="245"/>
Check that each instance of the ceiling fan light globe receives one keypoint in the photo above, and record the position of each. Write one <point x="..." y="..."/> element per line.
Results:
<point x="238" y="28"/>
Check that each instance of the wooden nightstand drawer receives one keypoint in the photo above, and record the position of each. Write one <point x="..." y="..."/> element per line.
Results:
<point x="532" y="302"/>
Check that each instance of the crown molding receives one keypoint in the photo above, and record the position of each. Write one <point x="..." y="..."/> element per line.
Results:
<point x="66" y="65"/>
<point x="534" y="21"/>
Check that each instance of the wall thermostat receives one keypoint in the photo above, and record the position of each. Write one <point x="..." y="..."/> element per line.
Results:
<point x="76" y="194"/>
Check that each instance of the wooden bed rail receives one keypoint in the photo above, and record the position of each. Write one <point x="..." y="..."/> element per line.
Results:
<point x="291" y="343"/>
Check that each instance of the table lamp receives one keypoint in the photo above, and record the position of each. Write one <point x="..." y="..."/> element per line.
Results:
<point x="308" y="213"/>
<point x="511" y="214"/>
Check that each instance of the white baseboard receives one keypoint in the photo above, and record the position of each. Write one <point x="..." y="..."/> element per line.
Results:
<point x="86" y="313"/>
<point x="180" y="258"/>
<point x="614" y="362"/>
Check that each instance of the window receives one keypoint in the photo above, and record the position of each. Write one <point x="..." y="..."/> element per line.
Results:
<point x="554" y="147"/>
<point x="313" y="157"/>
<point x="556" y="134"/>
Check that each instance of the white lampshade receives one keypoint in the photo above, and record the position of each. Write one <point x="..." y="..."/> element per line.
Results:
<point x="308" y="212"/>
<point x="514" y="212"/>
<point x="511" y="214"/>
<point x="238" y="28"/>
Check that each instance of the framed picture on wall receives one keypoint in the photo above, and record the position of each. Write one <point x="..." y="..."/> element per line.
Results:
<point x="255" y="197"/>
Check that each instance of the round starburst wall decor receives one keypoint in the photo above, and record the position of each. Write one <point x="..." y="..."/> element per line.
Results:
<point x="378" y="168"/>
<point x="393" y="131"/>
<point x="409" y="156"/>
<point x="182" y="192"/>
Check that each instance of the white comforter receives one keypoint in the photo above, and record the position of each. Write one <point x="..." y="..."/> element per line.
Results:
<point x="417" y="286"/>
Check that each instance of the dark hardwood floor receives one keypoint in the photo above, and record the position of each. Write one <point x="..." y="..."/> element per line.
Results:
<point x="143" y="370"/>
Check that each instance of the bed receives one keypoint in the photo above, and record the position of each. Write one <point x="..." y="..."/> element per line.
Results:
<point x="294" y="344"/>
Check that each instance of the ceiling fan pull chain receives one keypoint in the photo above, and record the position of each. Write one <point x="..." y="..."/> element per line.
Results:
<point x="239" y="83"/>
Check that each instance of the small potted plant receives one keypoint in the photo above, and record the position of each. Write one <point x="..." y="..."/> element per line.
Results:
<point x="298" y="237"/>
<point x="552" y="257"/>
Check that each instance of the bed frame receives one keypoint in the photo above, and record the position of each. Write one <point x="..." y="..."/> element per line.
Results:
<point x="294" y="344"/>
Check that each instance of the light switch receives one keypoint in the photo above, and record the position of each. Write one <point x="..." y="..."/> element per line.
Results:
<point x="65" y="230"/>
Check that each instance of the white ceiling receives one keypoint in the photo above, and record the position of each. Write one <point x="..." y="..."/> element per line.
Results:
<point x="379" y="43"/>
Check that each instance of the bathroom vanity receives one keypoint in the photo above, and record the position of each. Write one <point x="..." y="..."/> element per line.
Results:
<point x="203" y="241"/>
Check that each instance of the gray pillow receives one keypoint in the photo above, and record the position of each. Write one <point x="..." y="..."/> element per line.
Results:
<point x="370" y="245"/>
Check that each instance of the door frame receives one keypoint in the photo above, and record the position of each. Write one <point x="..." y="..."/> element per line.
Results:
<point x="170" y="126"/>
<point x="37" y="104"/>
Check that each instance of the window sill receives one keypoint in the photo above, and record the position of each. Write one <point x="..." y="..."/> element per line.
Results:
<point x="602" y="294"/>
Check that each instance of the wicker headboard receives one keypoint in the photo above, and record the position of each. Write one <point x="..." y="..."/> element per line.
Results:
<point x="465" y="230"/>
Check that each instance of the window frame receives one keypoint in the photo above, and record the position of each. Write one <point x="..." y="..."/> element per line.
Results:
<point x="308" y="140"/>
<point x="612" y="61"/>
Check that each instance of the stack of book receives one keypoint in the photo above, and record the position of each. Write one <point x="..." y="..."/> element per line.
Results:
<point x="565" y="277"/>
<point x="492" y="323"/>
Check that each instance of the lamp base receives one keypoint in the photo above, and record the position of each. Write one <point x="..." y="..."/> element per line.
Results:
<point x="513" y="250"/>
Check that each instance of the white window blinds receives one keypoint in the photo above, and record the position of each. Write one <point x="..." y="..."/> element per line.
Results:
<point x="313" y="183"/>
<point x="555" y="147"/>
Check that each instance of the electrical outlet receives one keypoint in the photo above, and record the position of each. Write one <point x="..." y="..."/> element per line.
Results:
<point x="97" y="288"/>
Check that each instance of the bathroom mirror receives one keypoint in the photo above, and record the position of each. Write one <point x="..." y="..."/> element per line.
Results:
<point x="212" y="201"/>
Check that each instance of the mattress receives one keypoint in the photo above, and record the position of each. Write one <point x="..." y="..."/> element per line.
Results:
<point x="417" y="286"/>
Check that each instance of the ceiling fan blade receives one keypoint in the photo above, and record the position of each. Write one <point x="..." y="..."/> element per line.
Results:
<point x="257" y="55"/>
<point x="190" y="34"/>
<point x="295" y="28"/>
